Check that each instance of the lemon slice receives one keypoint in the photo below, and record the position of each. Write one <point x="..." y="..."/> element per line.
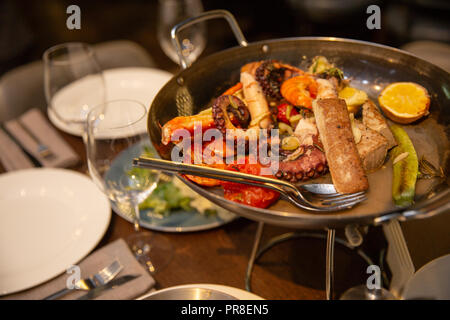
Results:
<point x="404" y="102"/>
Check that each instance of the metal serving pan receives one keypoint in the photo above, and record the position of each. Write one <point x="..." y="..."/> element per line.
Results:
<point x="370" y="66"/>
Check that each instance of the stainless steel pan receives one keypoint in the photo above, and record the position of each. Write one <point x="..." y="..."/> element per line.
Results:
<point x="370" y="66"/>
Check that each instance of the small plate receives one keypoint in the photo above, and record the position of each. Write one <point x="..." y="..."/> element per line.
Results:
<point x="180" y="220"/>
<point x="49" y="220"/>
<point x="176" y="220"/>
<point x="140" y="84"/>
<point x="232" y="292"/>
<point x="431" y="281"/>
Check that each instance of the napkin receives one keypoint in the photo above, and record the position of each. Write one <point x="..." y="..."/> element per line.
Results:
<point x="13" y="158"/>
<point x="117" y="250"/>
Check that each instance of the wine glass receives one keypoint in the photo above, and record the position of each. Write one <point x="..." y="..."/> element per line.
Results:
<point x="361" y="292"/>
<point x="192" y="39"/>
<point x="73" y="83"/>
<point x="115" y="135"/>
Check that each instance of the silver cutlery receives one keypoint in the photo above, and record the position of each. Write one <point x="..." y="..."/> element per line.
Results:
<point x="94" y="293"/>
<point x="32" y="158"/>
<point x="42" y="149"/>
<point x="101" y="278"/>
<point x="313" y="197"/>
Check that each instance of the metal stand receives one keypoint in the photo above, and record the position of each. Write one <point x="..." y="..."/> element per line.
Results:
<point x="331" y="240"/>
<point x="329" y="270"/>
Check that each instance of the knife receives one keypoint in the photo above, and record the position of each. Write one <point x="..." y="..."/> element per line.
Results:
<point x="94" y="293"/>
<point x="32" y="158"/>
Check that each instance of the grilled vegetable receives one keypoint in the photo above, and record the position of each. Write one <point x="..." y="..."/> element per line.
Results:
<point x="406" y="167"/>
<point x="319" y="64"/>
<point x="290" y="143"/>
<point x="428" y="171"/>
<point x="285" y="112"/>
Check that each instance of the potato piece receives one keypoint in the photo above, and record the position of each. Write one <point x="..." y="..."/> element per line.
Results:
<point x="353" y="97"/>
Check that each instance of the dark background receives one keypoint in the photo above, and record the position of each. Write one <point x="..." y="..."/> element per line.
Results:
<point x="27" y="28"/>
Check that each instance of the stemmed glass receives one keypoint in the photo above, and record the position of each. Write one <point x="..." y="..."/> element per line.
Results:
<point x="73" y="83"/>
<point x="193" y="39"/>
<point x="115" y="135"/>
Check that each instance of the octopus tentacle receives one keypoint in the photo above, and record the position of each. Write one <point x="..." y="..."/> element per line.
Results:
<point x="271" y="73"/>
<point x="308" y="166"/>
<point x="229" y="112"/>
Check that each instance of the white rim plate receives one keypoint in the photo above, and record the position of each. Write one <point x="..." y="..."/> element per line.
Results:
<point x="49" y="220"/>
<point x="431" y="281"/>
<point x="140" y="84"/>
<point x="235" y="292"/>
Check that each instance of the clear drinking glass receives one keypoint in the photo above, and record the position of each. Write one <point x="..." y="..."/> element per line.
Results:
<point x="115" y="135"/>
<point x="193" y="39"/>
<point x="73" y="83"/>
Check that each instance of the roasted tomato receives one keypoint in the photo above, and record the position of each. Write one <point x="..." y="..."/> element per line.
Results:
<point x="285" y="112"/>
<point x="253" y="196"/>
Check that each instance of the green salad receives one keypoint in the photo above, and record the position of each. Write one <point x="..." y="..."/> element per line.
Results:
<point x="166" y="197"/>
<point x="171" y="195"/>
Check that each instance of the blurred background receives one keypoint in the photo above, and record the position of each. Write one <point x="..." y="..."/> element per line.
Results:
<point x="27" y="28"/>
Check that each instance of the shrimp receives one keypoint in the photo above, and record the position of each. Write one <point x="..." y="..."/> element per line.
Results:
<point x="188" y="123"/>
<point x="299" y="90"/>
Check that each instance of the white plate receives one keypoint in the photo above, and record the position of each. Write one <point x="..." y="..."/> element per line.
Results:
<point x="431" y="281"/>
<point x="140" y="84"/>
<point x="49" y="220"/>
<point x="235" y="292"/>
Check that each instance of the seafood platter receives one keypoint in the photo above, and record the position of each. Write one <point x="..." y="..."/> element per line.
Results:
<point x="364" y="117"/>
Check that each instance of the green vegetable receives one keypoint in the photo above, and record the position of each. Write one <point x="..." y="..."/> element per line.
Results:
<point x="406" y="167"/>
<point x="165" y="198"/>
<point x="334" y="72"/>
<point x="166" y="195"/>
<point x="319" y="65"/>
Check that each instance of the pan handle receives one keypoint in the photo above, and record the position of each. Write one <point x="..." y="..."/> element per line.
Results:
<point x="432" y="207"/>
<point x="213" y="14"/>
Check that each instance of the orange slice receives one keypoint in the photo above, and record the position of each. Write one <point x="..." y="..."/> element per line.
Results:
<point x="404" y="102"/>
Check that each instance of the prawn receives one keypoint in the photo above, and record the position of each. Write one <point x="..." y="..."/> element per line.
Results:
<point x="300" y="90"/>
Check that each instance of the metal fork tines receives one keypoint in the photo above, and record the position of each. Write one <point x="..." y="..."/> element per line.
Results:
<point x="99" y="279"/>
<point x="42" y="149"/>
<point x="317" y="197"/>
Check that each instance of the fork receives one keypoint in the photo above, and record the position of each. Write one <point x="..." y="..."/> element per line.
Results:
<point x="313" y="197"/>
<point x="99" y="279"/>
<point x="42" y="149"/>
